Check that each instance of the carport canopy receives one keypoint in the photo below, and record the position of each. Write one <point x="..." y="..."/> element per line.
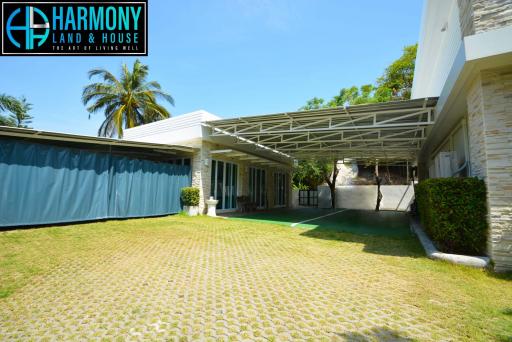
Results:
<point x="388" y="132"/>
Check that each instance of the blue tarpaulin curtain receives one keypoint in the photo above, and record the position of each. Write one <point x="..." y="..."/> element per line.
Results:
<point x="43" y="184"/>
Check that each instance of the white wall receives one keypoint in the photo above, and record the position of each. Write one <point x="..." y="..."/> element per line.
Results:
<point x="439" y="42"/>
<point x="177" y="129"/>
<point x="394" y="197"/>
<point x="294" y="200"/>
<point x="356" y="196"/>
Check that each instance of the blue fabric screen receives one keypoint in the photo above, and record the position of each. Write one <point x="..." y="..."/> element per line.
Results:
<point x="43" y="184"/>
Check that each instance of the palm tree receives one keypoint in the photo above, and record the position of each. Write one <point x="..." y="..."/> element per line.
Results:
<point x="127" y="101"/>
<point x="18" y="109"/>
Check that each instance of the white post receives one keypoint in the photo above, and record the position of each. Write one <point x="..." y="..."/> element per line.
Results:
<point x="407" y="166"/>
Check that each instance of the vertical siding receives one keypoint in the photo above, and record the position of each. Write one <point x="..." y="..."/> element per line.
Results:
<point x="180" y="128"/>
<point x="439" y="43"/>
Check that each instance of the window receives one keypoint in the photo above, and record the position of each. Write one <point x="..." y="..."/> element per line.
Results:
<point x="257" y="192"/>
<point x="279" y="189"/>
<point x="180" y="161"/>
<point x="223" y="187"/>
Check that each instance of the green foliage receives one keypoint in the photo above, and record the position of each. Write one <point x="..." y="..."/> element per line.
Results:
<point x="309" y="174"/>
<point x="127" y="101"/>
<point x="398" y="77"/>
<point x="454" y="213"/>
<point x="394" y="84"/>
<point x="190" y="196"/>
<point x="300" y="186"/>
<point x="6" y="121"/>
<point x="314" y="103"/>
<point x="18" y="111"/>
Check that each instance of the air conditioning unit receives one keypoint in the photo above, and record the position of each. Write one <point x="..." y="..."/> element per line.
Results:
<point x="443" y="164"/>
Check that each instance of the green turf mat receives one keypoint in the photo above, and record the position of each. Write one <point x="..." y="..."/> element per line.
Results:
<point x="363" y="222"/>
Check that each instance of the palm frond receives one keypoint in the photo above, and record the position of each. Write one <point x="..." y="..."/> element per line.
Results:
<point x="105" y="74"/>
<point x="127" y="101"/>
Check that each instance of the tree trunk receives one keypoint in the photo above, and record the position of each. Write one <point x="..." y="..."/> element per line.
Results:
<point x="333" y="195"/>
<point x="379" y="194"/>
<point x="378" y="180"/>
<point x="332" y="183"/>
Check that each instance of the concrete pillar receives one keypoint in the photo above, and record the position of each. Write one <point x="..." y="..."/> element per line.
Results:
<point x="489" y="104"/>
<point x="201" y="166"/>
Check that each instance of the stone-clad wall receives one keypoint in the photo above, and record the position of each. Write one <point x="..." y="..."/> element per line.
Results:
<point x="476" y="130"/>
<point x="201" y="173"/>
<point x="478" y="16"/>
<point x="490" y="138"/>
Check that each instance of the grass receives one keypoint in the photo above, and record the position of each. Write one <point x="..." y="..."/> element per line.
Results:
<point x="202" y="277"/>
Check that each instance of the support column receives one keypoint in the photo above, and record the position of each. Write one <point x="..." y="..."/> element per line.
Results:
<point x="490" y="145"/>
<point x="201" y="166"/>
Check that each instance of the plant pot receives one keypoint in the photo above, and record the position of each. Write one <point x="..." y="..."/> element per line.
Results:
<point x="191" y="210"/>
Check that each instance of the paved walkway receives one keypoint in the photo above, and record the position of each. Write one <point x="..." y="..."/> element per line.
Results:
<point x="221" y="279"/>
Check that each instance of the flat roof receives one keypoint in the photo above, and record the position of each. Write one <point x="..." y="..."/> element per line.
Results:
<point x="378" y="131"/>
<point x="47" y="136"/>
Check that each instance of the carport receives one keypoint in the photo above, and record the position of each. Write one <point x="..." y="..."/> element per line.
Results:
<point x="390" y="133"/>
<point x="379" y="132"/>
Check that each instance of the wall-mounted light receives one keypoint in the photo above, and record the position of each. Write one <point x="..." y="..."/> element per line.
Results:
<point x="444" y="27"/>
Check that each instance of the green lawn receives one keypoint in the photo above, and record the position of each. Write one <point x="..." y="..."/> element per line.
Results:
<point x="204" y="278"/>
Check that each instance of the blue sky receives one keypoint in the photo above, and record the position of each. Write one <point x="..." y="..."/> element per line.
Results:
<point x="232" y="57"/>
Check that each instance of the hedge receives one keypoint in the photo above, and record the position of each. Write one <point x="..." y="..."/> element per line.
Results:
<point x="190" y="196"/>
<point x="454" y="213"/>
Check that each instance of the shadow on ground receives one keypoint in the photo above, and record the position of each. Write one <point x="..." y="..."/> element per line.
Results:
<point x="376" y="334"/>
<point x="403" y="247"/>
<point x="383" y="232"/>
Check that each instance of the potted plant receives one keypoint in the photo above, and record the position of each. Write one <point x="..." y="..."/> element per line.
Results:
<point x="190" y="200"/>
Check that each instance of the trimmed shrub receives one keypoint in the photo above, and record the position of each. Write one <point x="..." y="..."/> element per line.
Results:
<point x="454" y="213"/>
<point x="190" y="196"/>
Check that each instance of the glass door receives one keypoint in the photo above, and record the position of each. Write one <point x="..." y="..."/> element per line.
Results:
<point x="223" y="187"/>
<point x="279" y="189"/>
<point x="257" y="190"/>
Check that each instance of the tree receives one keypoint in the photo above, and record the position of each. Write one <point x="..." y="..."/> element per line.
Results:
<point x="314" y="172"/>
<point x="20" y="115"/>
<point x="398" y="76"/>
<point x="378" y="181"/>
<point x="127" y="101"/>
<point x="330" y="172"/>
<point x="7" y="103"/>
<point x="314" y="103"/>
<point x="18" y="111"/>
<point x="394" y="84"/>
<point x="307" y="175"/>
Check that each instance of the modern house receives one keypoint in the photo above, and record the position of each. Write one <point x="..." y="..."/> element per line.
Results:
<point x="233" y="170"/>
<point x="465" y="59"/>
<point x="458" y="123"/>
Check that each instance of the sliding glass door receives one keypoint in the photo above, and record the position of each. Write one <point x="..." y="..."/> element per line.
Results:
<point x="224" y="178"/>
<point x="257" y="191"/>
<point x="279" y="189"/>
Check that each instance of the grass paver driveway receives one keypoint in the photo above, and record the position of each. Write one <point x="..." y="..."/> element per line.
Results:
<point x="181" y="278"/>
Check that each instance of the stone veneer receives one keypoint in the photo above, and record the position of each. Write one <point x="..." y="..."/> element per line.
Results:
<point x="489" y="103"/>
<point x="478" y="16"/>
<point x="201" y="176"/>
